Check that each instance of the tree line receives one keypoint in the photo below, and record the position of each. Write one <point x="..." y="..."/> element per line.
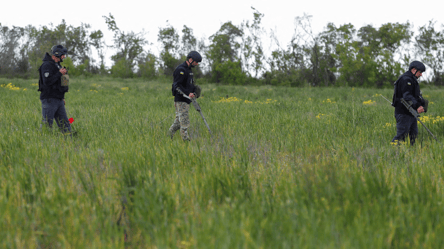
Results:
<point x="342" y="56"/>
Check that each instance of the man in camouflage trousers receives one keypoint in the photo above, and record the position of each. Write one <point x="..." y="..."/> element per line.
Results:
<point x="183" y="79"/>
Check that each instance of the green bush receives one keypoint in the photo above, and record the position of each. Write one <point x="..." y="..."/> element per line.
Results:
<point x="230" y="72"/>
<point x="147" y="69"/>
<point x="122" y="69"/>
<point x="76" y="70"/>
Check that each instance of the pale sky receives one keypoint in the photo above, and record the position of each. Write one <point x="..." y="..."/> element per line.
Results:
<point x="205" y="17"/>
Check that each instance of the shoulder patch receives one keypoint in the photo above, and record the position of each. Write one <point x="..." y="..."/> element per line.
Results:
<point x="408" y="83"/>
<point x="181" y="72"/>
<point x="46" y="74"/>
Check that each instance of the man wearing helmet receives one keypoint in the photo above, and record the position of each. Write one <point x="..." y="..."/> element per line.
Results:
<point x="53" y="90"/>
<point x="407" y="87"/>
<point x="183" y="79"/>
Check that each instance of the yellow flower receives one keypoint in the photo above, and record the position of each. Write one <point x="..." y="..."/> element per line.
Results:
<point x="368" y="102"/>
<point x="125" y="88"/>
<point x="10" y="86"/>
<point x="328" y="101"/>
<point x="228" y="100"/>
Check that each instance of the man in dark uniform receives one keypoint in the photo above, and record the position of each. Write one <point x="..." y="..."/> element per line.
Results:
<point x="183" y="79"/>
<point x="53" y="90"/>
<point x="407" y="87"/>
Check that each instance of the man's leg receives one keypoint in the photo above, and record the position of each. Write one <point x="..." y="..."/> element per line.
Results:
<point x="48" y="111"/>
<point x="176" y="124"/>
<point x="413" y="133"/>
<point x="61" y="117"/>
<point x="403" y="123"/>
<point x="184" y="119"/>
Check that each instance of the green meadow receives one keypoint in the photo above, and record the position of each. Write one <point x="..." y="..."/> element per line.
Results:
<point x="286" y="168"/>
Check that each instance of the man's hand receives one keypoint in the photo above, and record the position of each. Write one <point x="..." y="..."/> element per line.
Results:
<point x="63" y="71"/>
<point x="191" y="95"/>
<point x="420" y="109"/>
<point x="64" y="103"/>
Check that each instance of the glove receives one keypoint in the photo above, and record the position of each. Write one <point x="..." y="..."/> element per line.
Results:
<point x="425" y="105"/>
<point x="197" y="91"/>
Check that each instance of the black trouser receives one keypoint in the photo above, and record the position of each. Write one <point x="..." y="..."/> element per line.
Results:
<point x="55" y="109"/>
<point x="406" y="124"/>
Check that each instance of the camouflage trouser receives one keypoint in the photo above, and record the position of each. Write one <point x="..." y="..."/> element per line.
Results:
<point x="182" y="120"/>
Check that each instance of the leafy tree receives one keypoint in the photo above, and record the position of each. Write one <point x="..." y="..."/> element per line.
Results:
<point x="147" y="67"/>
<point x="189" y="42"/>
<point x="96" y="41"/>
<point x="367" y="56"/>
<point x="225" y="46"/>
<point x="430" y="49"/>
<point x="169" y="56"/>
<point x="231" y="72"/>
<point x="288" y="66"/>
<point x="75" y="39"/>
<point x="76" y="70"/>
<point x="129" y="48"/>
<point x="13" y="56"/>
<point x="121" y="69"/>
<point x="392" y="36"/>
<point x="318" y="50"/>
<point x="252" y="51"/>
<point x="328" y="63"/>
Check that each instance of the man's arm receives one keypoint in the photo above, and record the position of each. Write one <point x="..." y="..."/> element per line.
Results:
<point x="407" y="91"/>
<point x="49" y="78"/>
<point x="180" y="80"/>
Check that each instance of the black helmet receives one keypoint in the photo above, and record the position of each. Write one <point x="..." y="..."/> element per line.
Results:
<point x="418" y="66"/>
<point x="59" y="50"/>
<point x="195" y="56"/>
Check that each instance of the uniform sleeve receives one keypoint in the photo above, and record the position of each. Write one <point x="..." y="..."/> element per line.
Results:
<point x="48" y="75"/>
<point x="180" y="80"/>
<point x="407" y="91"/>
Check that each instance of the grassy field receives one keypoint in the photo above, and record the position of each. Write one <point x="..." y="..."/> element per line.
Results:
<point x="287" y="168"/>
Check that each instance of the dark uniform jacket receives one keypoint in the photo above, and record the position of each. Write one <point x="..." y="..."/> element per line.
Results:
<point x="183" y="78"/>
<point x="50" y="82"/>
<point x="407" y="87"/>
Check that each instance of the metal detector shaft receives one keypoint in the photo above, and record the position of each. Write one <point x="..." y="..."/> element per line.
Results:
<point x="386" y="99"/>
<point x="197" y="107"/>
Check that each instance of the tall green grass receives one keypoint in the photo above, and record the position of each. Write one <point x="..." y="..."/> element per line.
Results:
<point x="287" y="168"/>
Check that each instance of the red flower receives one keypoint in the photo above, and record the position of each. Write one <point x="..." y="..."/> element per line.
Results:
<point x="71" y="120"/>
